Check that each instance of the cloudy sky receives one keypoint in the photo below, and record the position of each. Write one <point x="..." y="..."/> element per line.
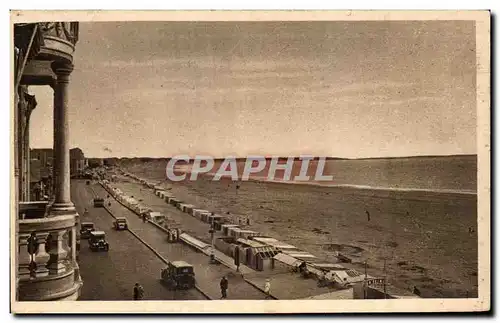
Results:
<point x="347" y="89"/>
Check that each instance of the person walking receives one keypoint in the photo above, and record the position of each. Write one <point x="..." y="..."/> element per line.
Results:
<point x="138" y="292"/>
<point x="267" y="288"/>
<point x="223" y="287"/>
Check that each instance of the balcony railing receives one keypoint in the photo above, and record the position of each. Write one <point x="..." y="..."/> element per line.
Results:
<point x="47" y="266"/>
<point x="33" y="210"/>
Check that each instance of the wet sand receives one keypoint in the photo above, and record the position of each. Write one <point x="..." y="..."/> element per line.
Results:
<point x="423" y="236"/>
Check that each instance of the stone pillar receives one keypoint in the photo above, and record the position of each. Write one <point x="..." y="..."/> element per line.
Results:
<point x="62" y="202"/>
<point x="41" y="256"/>
<point x="23" y="257"/>
<point x="30" y="106"/>
<point x="27" y="159"/>
<point x="20" y="113"/>
<point x="16" y="191"/>
<point x="58" y="252"/>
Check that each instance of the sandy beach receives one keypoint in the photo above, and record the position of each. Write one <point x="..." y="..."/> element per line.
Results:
<point x="423" y="237"/>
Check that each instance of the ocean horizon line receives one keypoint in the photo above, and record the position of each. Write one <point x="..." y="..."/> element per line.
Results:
<point x="148" y="158"/>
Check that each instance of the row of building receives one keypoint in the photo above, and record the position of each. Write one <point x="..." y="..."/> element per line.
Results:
<point x="41" y="166"/>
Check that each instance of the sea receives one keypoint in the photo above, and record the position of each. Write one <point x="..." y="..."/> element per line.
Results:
<point x="448" y="174"/>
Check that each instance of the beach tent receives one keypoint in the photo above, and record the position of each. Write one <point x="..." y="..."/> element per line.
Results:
<point x="156" y="217"/>
<point x="198" y="212"/>
<point x="233" y="232"/>
<point x="245" y="234"/>
<point x="188" y="208"/>
<point x="225" y="228"/>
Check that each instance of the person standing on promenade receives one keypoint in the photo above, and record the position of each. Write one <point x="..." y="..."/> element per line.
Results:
<point x="138" y="292"/>
<point x="223" y="287"/>
<point x="267" y="288"/>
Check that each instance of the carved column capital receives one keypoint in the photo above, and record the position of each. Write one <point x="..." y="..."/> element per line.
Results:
<point x="62" y="70"/>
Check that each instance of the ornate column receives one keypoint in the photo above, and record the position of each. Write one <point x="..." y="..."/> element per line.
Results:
<point x="20" y="122"/>
<point x="31" y="105"/>
<point x="62" y="203"/>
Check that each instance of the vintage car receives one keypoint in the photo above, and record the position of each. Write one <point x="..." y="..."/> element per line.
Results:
<point x="98" y="202"/>
<point x="97" y="241"/>
<point x="178" y="275"/>
<point x="85" y="229"/>
<point x="120" y="224"/>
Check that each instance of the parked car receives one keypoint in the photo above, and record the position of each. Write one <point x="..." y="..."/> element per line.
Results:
<point x="86" y="229"/>
<point x="178" y="275"/>
<point x="120" y="224"/>
<point x="97" y="241"/>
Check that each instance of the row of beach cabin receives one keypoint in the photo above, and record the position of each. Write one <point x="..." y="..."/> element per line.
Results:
<point x="255" y="250"/>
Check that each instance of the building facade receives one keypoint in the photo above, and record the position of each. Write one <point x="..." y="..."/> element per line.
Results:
<point x="46" y="232"/>
<point x="77" y="161"/>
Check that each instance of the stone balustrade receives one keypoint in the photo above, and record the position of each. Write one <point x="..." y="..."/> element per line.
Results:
<point x="47" y="266"/>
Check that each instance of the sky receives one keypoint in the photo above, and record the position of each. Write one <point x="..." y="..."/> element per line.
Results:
<point x="341" y="89"/>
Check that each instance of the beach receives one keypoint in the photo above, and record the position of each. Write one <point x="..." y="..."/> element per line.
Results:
<point x="422" y="237"/>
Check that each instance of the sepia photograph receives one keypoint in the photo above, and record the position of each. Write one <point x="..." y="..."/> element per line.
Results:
<point x="250" y="162"/>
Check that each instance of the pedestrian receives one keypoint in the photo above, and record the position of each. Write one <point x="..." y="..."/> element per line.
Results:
<point x="248" y="221"/>
<point x="144" y="217"/>
<point x="223" y="287"/>
<point x="138" y="292"/>
<point x="267" y="288"/>
<point x="368" y="215"/>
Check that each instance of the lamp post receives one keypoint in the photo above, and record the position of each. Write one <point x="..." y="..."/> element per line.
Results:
<point x="212" y="236"/>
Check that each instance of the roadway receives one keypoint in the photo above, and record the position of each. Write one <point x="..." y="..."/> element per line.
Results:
<point x="207" y="275"/>
<point x="112" y="275"/>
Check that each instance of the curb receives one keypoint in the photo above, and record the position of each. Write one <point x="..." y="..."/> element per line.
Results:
<point x="257" y="287"/>
<point x="156" y="253"/>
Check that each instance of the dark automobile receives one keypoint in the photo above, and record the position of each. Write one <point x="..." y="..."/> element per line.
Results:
<point x="120" y="224"/>
<point x="86" y="229"/>
<point x="178" y="275"/>
<point x="98" y="202"/>
<point x="97" y="241"/>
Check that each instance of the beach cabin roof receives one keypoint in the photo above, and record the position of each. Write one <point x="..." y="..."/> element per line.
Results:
<point x="248" y="232"/>
<point x="349" y="276"/>
<point x="328" y="266"/>
<point x="230" y="225"/>
<point x="275" y="243"/>
<point x="287" y="260"/>
<point x="250" y="243"/>
<point x="300" y="255"/>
